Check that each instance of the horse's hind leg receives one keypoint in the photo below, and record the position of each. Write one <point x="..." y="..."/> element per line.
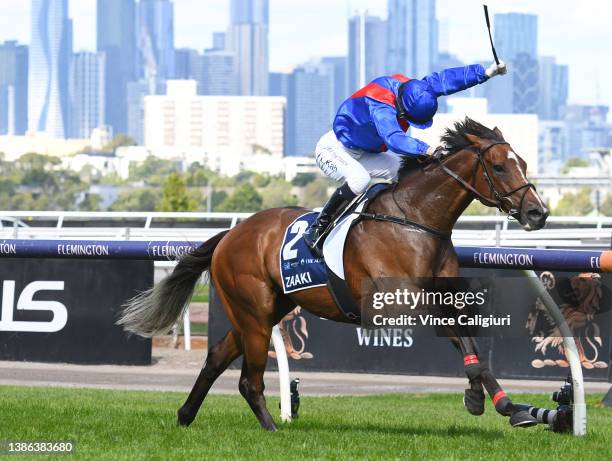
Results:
<point x="220" y="356"/>
<point x="251" y="383"/>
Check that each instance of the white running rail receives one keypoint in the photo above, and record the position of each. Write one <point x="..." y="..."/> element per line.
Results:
<point x="562" y="232"/>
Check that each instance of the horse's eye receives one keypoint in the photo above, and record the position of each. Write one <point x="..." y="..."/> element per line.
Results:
<point x="499" y="168"/>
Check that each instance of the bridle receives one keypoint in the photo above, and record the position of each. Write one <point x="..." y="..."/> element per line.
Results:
<point x="501" y="199"/>
<point x="438" y="159"/>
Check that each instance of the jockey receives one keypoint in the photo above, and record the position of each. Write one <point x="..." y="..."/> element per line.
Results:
<point x="369" y="132"/>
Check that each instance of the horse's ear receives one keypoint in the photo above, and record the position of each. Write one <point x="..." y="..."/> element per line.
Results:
<point x="499" y="133"/>
<point x="475" y="140"/>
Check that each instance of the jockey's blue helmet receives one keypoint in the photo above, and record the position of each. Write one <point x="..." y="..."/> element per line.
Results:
<point x="417" y="103"/>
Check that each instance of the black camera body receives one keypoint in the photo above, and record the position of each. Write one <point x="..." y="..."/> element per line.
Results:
<point x="564" y="420"/>
<point x="565" y="396"/>
<point x="295" y="398"/>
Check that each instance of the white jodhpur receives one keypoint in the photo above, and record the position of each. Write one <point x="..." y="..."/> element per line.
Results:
<point x="354" y="166"/>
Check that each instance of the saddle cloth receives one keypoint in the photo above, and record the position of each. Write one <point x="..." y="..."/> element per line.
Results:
<point x="300" y="267"/>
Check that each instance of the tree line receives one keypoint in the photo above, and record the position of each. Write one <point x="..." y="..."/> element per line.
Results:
<point x="40" y="182"/>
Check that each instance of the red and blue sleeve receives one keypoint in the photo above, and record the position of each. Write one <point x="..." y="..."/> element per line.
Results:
<point x="384" y="117"/>
<point x="456" y="79"/>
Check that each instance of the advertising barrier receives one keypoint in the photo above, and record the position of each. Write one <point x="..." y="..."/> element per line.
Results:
<point x="531" y="350"/>
<point x="65" y="311"/>
<point x="313" y="343"/>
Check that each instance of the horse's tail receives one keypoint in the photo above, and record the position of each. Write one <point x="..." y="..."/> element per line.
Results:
<point x="155" y="310"/>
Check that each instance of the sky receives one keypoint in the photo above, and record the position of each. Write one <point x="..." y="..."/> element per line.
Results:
<point x="576" y="33"/>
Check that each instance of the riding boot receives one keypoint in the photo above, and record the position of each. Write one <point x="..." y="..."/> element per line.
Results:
<point x="331" y="210"/>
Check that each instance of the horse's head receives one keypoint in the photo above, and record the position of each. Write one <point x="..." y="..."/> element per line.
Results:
<point x="499" y="174"/>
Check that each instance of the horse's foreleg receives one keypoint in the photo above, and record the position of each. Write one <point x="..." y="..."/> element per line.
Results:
<point x="220" y="356"/>
<point x="255" y="356"/>
<point x="480" y="372"/>
<point x="503" y="404"/>
<point x="474" y="397"/>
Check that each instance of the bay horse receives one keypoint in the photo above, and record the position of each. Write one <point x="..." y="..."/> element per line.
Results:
<point x="425" y="202"/>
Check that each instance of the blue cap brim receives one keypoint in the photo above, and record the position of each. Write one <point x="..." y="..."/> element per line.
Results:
<point x="422" y="126"/>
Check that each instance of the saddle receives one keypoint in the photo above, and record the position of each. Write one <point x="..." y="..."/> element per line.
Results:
<point x="301" y="268"/>
<point x="333" y="251"/>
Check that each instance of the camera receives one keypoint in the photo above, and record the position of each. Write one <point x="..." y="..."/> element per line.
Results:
<point x="565" y="396"/>
<point x="295" y="398"/>
<point x="563" y="421"/>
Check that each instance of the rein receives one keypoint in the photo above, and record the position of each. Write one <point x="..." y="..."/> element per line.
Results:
<point x="498" y="203"/>
<point x="500" y="198"/>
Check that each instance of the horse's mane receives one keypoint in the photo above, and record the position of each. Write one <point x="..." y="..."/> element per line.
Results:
<point x="455" y="137"/>
<point x="453" y="140"/>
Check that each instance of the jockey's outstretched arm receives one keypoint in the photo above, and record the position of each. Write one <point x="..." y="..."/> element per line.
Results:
<point x="456" y="79"/>
<point x="389" y="129"/>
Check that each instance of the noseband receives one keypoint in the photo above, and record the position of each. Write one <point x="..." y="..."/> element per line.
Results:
<point x="500" y="198"/>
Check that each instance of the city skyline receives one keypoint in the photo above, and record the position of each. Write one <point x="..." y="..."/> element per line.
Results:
<point x="49" y="59"/>
<point x="465" y="34"/>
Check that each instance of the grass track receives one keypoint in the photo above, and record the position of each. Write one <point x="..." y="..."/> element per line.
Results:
<point x="119" y="425"/>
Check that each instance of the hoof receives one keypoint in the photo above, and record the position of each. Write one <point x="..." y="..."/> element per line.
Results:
<point x="522" y="419"/>
<point x="504" y="407"/>
<point x="474" y="401"/>
<point x="271" y="428"/>
<point x="182" y="419"/>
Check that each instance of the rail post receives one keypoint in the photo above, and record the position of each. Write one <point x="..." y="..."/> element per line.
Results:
<point x="283" y="374"/>
<point x="571" y="351"/>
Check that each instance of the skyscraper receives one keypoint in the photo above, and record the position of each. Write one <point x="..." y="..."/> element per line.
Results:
<point x="499" y="93"/>
<point x="87" y="93"/>
<point x="186" y="61"/>
<point x="516" y="33"/>
<point x="135" y="94"/>
<point x="217" y="74"/>
<point x="552" y="146"/>
<point x="218" y="39"/>
<point x="335" y="67"/>
<point x="525" y="89"/>
<point x="49" y="68"/>
<point x="309" y="110"/>
<point x="116" y="38"/>
<point x="516" y="40"/>
<point x="367" y="42"/>
<point x="553" y="88"/>
<point x="278" y="84"/>
<point x="13" y="88"/>
<point x="247" y="37"/>
<point x="412" y="37"/>
<point x="249" y="12"/>
<point x="156" y="38"/>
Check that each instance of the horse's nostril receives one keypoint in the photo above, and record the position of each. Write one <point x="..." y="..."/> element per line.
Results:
<point x="535" y="213"/>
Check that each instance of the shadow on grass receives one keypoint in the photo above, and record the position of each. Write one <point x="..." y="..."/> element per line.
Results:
<point x="382" y="429"/>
